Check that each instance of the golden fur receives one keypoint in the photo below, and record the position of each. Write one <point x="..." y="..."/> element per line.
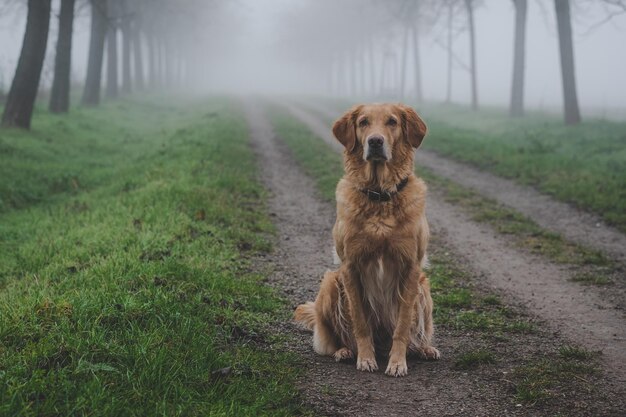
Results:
<point x="379" y="298"/>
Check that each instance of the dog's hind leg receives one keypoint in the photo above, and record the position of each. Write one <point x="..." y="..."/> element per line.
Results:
<point x="323" y="339"/>
<point x="324" y="335"/>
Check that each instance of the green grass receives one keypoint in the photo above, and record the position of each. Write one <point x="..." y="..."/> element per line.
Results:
<point x="126" y="281"/>
<point x="548" y="378"/>
<point x="474" y="358"/>
<point x="525" y="232"/>
<point x="569" y="352"/>
<point x="311" y="152"/>
<point x="459" y="307"/>
<point x="584" y="165"/>
<point x="592" y="278"/>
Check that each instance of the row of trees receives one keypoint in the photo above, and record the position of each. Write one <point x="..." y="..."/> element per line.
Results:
<point x="385" y="24"/>
<point x="152" y="29"/>
<point x="355" y="48"/>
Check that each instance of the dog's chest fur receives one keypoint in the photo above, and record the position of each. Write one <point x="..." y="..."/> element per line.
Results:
<point x="380" y="281"/>
<point x="381" y="274"/>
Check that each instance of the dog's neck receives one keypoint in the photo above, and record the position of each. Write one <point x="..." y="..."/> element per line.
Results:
<point x="377" y="175"/>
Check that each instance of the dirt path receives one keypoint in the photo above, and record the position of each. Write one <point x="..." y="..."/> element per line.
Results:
<point x="576" y="225"/>
<point x="542" y="287"/>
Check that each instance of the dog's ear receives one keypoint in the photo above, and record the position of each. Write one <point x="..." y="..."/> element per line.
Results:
<point x="344" y="128"/>
<point x="414" y="127"/>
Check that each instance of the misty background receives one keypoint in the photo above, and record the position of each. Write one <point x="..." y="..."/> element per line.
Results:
<point x="296" y="46"/>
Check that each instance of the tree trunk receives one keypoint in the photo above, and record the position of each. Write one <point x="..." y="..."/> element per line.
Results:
<point x="372" y="66"/>
<point x="469" y="5"/>
<point x="331" y="76"/>
<point x="168" y="62"/>
<point x="382" y="84"/>
<point x="405" y="54"/>
<point x="566" y="48"/>
<point x="152" y="79"/>
<point x="353" y="82"/>
<point x="139" y="81"/>
<point x="21" y="100"/>
<point x="418" y="66"/>
<point x="60" y="94"/>
<point x="362" y="87"/>
<point x="112" y="84"/>
<point x="126" y="40"/>
<point x="517" y="90"/>
<point x="340" y="74"/>
<point x="449" y="83"/>
<point x="158" y="61"/>
<point x="91" y="93"/>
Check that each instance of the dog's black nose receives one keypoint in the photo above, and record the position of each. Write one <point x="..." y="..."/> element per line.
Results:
<point x="375" y="141"/>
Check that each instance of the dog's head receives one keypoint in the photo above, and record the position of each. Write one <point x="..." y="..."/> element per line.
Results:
<point x="377" y="131"/>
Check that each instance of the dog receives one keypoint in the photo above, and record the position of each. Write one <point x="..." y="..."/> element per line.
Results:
<point x="379" y="299"/>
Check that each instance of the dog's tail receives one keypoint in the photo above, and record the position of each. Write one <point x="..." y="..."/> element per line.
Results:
<point x="305" y="315"/>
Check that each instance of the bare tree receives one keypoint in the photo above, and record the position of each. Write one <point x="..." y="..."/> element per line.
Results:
<point x="372" y="61"/>
<point x="566" y="48"/>
<point x="137" y="49"/>
<point x="91" y="93"/>
<point x="450" y="8"/>
<point x="405" y="54"/>
<point x="112" y="82"/>
<point x="418" y="67"/>
<point x="612" y="8"/>
<point x="126" y="42"/>
<point x="60" y="94"/>
<point x="21" y="100"/>
<point x="469" y="7"/>
<point x="408" y="13"/>
<point x="516" y="108"/>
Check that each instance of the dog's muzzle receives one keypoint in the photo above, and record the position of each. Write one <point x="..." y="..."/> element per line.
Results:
<point x="376" y="148"/>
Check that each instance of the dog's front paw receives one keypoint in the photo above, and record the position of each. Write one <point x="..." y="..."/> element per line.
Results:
<point x="366" y="364"/>
<point x="343" y="354"/>
<point x="397" y="367"/>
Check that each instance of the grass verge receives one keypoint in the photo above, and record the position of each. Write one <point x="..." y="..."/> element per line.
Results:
<point x="542" y="379"/>
<point x="126" y="286"/>
<point x="584" y="165"/>
<point x="525" y="233"/>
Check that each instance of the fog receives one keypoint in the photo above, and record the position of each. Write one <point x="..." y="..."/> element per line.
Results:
<point x="296" y="47"/>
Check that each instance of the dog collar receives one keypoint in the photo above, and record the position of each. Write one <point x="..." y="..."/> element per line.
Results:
<point x="374" y="195"/>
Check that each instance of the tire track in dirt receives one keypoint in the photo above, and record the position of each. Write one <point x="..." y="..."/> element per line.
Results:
<point x="302" y="255"/>
<point x="576" y="225"/>
<point x="541" y="286"/>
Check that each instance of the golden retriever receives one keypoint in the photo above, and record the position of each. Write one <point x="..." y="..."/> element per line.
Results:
<point x="379" y="298"/>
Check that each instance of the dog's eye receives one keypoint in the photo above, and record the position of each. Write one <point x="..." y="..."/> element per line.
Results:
<point x="391" y="122"/>
<point x="363" y="122"/>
